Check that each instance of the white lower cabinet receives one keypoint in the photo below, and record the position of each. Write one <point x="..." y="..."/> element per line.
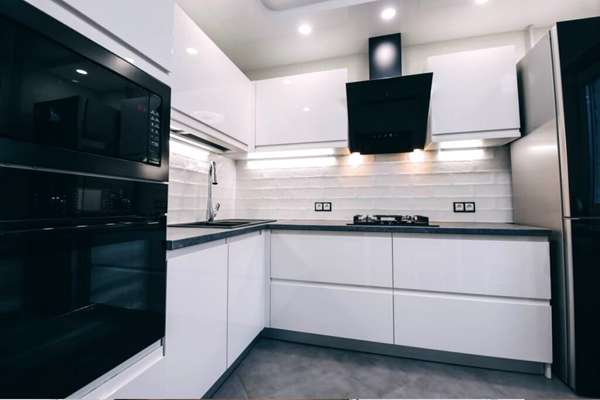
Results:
<point x="503" y="328"/>
<point x="348" y="312"/>
<point x="246" y="305"/>
<point x="215" y="309"/>
<point x="491" y="266"/>
<point x="196" y="338"/>
<point x="196" y="332"/>
<point x="351" y="258"/>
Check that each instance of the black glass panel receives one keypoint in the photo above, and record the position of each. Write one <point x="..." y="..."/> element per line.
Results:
<point x="82" y="278"/>
<point x="75" y="304"/>
<point x="580" y="64"/>
<point x="585" y="238"/>
<point x="33" y="197"/>
<point x="54" y="96"/>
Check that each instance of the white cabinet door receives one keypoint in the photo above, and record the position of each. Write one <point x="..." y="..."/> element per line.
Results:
<point x="196" y="337"/>
<point x="97" y="19"/>
<point x="474" y="95"/>
<point x="510" y="267"/>
<point x="247" y="286"/>
<point x="148" y="28"/>
<point x="493" y="327"/>
<point x="347" y="312"/>
<point x="353" y="258"/>
<point x="207" y="86"/>
<point x="300" y="109"/>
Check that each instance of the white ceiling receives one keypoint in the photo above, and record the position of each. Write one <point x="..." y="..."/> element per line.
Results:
<point x="263" y="33"/>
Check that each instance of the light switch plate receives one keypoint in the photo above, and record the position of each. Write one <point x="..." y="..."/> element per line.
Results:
<point x="319" y="207"/>
<point x="327" y="207"/>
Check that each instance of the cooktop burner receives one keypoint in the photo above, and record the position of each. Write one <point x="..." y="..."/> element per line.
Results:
<point x="392" y="220"/>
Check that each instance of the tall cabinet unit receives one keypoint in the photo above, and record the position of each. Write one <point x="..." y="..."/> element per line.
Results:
<point x="211" y="96"/>
<point x="307" y="110"/>
<point x="475" y="98"/>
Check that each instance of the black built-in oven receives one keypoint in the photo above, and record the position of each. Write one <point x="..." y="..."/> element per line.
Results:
<point x="67" y="103"/>
<point x="82" y="278"/>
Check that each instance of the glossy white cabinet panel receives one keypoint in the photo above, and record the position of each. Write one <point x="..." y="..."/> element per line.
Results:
<point x="196" y="337"/>
<point x="124" y="46"/>
<point x="511" y="329"/>
<point x="246" y="315"/>
<point x="474" y="94"/>
<point x="510" y="267"/>
<point x="300" y="109"/>
<point x="353" y="258"/>
<point x="147" y="28"/>
<point x="128" y="380"/>
<point x="207" y="86"/>
<point x="348" y="312"/>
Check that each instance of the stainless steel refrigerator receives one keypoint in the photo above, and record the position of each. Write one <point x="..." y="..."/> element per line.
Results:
<point x="556" y="184"/>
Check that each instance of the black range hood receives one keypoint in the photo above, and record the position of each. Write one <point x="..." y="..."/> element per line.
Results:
<point x="389" y="112"/>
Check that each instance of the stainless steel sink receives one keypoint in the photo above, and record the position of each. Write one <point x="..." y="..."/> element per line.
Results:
<point x="224" y="223"/>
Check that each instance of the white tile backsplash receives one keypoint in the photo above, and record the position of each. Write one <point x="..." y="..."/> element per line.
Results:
<point x="188" y="184"/>
<point x="383" y="184"/>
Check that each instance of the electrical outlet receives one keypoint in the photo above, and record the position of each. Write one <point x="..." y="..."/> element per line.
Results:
<point x="459" y="207"/>
<point x="327" y="207"/>
<point x="319" y="207"/>
<point x="470" y="207"/>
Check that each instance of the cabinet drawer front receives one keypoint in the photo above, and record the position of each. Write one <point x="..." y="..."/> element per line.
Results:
<point x="346" y="258"/>
<point x="518" y="330"/>
<point x="456" y="264"/>
<point x="353" y="313"/>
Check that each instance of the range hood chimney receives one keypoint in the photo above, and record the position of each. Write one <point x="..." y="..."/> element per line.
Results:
<point x="385" y="56"/>
<point x="389" y="112"/>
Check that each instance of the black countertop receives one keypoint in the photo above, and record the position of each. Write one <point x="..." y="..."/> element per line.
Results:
<point x="178" y="238"/>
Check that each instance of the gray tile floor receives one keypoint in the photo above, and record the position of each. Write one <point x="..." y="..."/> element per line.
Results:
<point x="276" y="369"/>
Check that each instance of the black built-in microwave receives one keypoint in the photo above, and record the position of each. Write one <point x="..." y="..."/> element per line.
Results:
<point x="67" y="103"/>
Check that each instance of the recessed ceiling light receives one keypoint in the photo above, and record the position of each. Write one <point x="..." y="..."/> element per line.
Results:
<point x="81" y="71"/>
<point x="191" y="51"/>
<point x="388" y="13"/>
<point x="74" y="81"/>
<point x="480" y="2"/>
<point x="306" y="109"/>
<point x="287" y="82"/>
<point x="305" y="29"/>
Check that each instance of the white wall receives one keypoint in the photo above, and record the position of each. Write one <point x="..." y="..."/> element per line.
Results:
<point x="383" y="184"/>
<point x="413" y="57"/>
<point x="188" y="184"/>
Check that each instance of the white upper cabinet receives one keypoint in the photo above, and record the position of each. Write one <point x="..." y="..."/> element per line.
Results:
<point x="148" y="29"/>
<point x="302" y="109"/>
<point x="208" y="88"/>
<point x="130" y="29"/>
<point x="475" y="97"/>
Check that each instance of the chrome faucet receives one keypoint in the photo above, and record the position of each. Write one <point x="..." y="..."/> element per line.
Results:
<point x="211" y="212"/>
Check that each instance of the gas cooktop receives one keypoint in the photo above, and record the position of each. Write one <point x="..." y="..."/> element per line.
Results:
<point x="392" y="220"/>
